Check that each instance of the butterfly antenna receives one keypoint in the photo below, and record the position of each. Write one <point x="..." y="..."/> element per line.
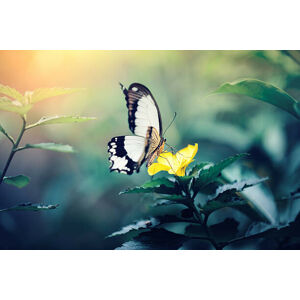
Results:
<point x="172" y="148"/>
<point x="124" y="90"/>
<point x="175" y="114"/>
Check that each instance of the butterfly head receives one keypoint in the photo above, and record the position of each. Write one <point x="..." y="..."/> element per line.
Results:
<point x="162" y="143"/>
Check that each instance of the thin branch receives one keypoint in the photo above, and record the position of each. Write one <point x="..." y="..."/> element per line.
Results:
<point x="31" y="126"/>
<point x="15" y="145"/>
<point x="9" y="137"/>
<point x="20" y="148"/>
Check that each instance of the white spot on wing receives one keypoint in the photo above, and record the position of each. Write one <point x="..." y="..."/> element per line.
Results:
<point x="119" y="163"/>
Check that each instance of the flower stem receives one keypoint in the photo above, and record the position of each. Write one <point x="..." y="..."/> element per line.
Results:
<point x="14" y="147"/>
<point x="203" y="221"/>
<point x="208" y="233"/>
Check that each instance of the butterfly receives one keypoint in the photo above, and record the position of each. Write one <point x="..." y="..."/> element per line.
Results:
<point x="128" y="153"/>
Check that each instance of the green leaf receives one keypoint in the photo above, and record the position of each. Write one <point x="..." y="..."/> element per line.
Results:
<point x="45" y="93"/>
<point x="163" y="202"/>
<point x="187" y="229"/>
<point x="160" y="185"/>
<point x="156" y="239"/>
<point x="173" y="199"/>
<point x="11" y="92"/>
<point x="208" y="174"/>
<point x="19" y="181"/>
<point x="195" y="170"/>
<point x="60" y="120"/>
<point x="147" y="224"/>
<point x="271" y="232"/>
<point x="221" y="196"/>
<point x="258" y="196"/>
<point x="51" y="147"/>
<point x="236" y="186"/>
<point x="139" y="225"/>
<point x="262" y="91"/>
<point x="14" y="106"/>
<point x="217" y="204"/>
<point x="177" y="227"/>
<point x="31" y="207"/>
<point x="236" y="203"/>
<point x="159" y="182"/>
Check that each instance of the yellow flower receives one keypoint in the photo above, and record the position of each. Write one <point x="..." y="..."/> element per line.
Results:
<point x="174" y="163"/>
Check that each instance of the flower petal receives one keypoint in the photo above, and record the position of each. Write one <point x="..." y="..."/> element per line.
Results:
<point x="157" y="167"/>
<point x="186" y="155"/>
<point x="174" y="164"/>
<point x="181" y="171"/>
<point x="165" y="158"/>
<point x="170" y="160"/>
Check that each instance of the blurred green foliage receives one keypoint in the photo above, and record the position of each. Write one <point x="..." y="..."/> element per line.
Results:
<point x="90" y="207"/>
<point x="15" y="102"/>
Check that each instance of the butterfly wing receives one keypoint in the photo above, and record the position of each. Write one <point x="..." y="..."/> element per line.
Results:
<point x="127" y="153"/>
<point x="143" y="111"/>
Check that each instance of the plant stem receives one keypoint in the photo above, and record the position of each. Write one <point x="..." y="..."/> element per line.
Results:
<point x="198" y="215"/>
<point x="20" y="149"/>
<point x="208" y="233"/>
<point x="204" y="223"/>
<point x="12" y="152"/>
<point x="9" y="137"/>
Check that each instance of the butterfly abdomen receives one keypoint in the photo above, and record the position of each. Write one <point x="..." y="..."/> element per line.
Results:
<point x="154" y="145"/>
<point x="156" y="153"/>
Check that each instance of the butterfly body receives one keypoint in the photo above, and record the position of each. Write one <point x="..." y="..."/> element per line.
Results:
<point x="156" y="145"/>
<point x="128" y="153"/>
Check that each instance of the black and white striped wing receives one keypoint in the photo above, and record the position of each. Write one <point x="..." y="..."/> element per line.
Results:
<point x="143" y="111"/>
<point x="126" y="153"/>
